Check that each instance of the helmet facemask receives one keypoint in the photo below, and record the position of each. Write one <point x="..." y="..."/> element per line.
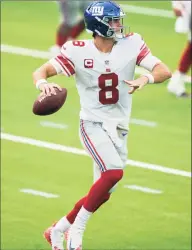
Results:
<point x="116" y="28"/>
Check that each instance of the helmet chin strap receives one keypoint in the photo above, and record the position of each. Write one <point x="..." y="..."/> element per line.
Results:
<point x="117" y="35"/>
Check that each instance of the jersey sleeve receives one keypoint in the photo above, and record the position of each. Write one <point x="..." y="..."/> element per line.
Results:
<point x="63" y="63"/>
<point x="149" y="62"/>
<point x="143" y="50"/>
<point x="145" y="58"/>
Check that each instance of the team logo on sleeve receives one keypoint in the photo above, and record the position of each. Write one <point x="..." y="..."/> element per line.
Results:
<point x="88" y="63"/>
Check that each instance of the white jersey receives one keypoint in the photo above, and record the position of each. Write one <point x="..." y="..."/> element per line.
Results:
<point x="100" y="76"/>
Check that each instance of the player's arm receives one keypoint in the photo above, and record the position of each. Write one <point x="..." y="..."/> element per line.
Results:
<point x="159" y="72"/>
<point x="40" y="77"/>
<point x="61" y="64"/>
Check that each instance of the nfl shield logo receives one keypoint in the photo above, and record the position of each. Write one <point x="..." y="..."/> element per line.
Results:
<point x="107" y="62"/>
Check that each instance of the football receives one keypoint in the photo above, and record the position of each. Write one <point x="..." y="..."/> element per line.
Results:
<point x="47" y="105"/>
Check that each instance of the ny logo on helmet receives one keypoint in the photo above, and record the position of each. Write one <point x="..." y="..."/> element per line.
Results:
<point x="97" y="10"/>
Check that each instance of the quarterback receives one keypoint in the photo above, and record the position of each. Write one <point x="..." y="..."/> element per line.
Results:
<point x="104" y="70"/>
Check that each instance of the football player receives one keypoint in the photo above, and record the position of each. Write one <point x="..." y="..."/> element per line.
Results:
<point x="72" y="23"/>
<point x="176" y="85"/>
<point x="104" y="69"/>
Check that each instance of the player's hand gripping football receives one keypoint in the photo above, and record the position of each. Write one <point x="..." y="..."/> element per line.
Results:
<point x="49" y="88"/>
<point x="139" y="83"/>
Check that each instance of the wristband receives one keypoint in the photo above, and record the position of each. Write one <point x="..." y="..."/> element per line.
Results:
<point x="150" y="78"/>
<point x="39" y="82"/>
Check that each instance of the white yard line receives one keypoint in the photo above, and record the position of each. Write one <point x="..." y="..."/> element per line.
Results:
<point x="148" y="11"/>
<point x="143" y="189"/>
<point x="42" y="144"/>
<point x="64" y="126"/>
<point x="47" y="55"/>
<point x="143" y="122"/>
<point x="39" y="193"/>
<point x="59" y="147"/>
<point x="25" y="51"/>
<point x="53" y="125"/>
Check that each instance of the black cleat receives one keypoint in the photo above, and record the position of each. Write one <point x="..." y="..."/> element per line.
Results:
<point x="185" y="95"/>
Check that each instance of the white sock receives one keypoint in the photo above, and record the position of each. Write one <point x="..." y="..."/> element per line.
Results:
<point x="181" y="76"/>
<point x="81" y="219"/>
<point x="176" y="84"/>
<point x="181" y="83"/>
<point x="63" y="225"/>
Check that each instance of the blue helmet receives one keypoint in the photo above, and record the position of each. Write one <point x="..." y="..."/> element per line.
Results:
<point x="100" y="14"/>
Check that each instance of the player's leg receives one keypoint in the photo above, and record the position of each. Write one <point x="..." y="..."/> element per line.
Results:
<point x="177" y="83"/>
<point x="54" y="234"/>
<point x="62" y="226"/>
<point x="65" y="222"/>
<point x="69" y="11"/>
<point x="73" y="213"/>
<point x="99" y="145"/>
<point x="78" y="28"/>
<point x="96" y="176"/>
<point x="122" y="151"/>
<point x="102" y="150"/>
<point x="73" y="28"/>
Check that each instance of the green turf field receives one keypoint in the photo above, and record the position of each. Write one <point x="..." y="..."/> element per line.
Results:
<point x="132" y="219"/>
